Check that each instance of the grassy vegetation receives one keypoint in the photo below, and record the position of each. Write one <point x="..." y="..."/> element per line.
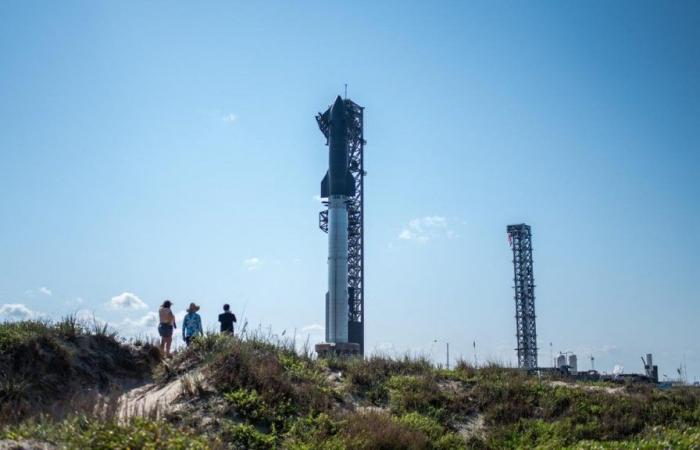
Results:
<point x="45" y="366"/>
<point x="259" y="393"/>
<point x="83" y="433"/>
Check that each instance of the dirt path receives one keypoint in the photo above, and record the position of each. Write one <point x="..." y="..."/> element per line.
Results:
<point x="474" y="425"/>
<point x="588" y="387"/>
<point x="150" y="400"/>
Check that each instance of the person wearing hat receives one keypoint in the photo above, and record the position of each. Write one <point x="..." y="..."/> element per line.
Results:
<point x="191" y="324"/>
<point x="166" y="326"/>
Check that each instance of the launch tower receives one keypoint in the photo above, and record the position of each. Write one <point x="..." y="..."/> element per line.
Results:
<point x="524" y="284"/>
<point x="353" y="118"/>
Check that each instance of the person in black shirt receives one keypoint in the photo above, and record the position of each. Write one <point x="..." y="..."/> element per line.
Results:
<point x="227" y="319"/>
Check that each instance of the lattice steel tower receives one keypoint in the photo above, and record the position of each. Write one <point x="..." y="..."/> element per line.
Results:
<point x="524" y="284"/>
<point x="356" y="266"/>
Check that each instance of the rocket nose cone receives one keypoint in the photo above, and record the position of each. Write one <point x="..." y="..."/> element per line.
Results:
<point x="338" y="109"/>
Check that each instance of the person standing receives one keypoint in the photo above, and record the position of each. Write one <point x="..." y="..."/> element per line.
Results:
<point x="227" y="320"/>
<point x="166" y="326"/>
<point x="191" y="324"/>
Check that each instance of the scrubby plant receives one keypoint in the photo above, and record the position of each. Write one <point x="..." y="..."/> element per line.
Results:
<point x="80" y="432"/>
<point x="374" y="430"/>
<point x="368" y="377"/>
<point x="313" y="431"/>
<point x="258" y="392"/>
<point x="439" y="437"/>
<point x="246" y="437"/>
<point x="44" y="364"/>
<point x="419" y="393"/>
<point x="249" y="405"/>
<point x="278" y="375"/>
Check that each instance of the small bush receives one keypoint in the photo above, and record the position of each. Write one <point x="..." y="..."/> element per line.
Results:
<point x="249" y="405"/>
<point x="82" y="433"/>
<point x="421" y="393"/>
<point x="378" y="431"/>
<point x="313" y="432"/>
<point x="256" y="365"/>
<point x="368" y="377"/>
<point x="246" y="437"/>
<point x="440" y="439"/>
<point x="43" y="364"/>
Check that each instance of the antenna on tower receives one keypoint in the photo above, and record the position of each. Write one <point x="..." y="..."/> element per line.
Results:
<point x="551" y="356"/>
<point x="346" y="91"/>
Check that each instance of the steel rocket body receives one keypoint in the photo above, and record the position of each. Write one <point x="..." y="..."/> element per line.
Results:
<point x="338" y="186"/>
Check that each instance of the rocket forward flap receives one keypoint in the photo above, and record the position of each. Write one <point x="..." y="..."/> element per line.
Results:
<point x="324" y="186"/>
<point x="350" y="184"/>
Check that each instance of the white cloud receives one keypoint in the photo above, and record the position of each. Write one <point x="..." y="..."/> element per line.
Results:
<point x="313" y="328"/>
<point x="17" y="311"/>
<point x="253" y="263"/>
<point x="127" y="300"/>
<point x="229" y="118"/>
<point x="428" y="228"/>
<point x="149" y="320"/>
<point x="145" y="325"/>
<point x="31" y="293"/>
<point x="46" y="291"/>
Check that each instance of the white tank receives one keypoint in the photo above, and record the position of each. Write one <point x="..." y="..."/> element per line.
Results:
<point x="561" y="361"/>
<point x="573" y="368"/>
<point x="337" y="301"/>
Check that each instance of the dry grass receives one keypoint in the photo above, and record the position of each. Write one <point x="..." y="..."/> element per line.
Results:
<point x="259" y="391"/>
<point x="47" y="367"/>
<point x="375" y="430"/>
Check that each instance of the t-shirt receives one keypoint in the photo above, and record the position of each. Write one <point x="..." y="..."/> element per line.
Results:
<point x="227" y="320"/>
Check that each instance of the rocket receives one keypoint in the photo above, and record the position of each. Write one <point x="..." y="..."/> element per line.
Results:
<point x="338" y="186"/>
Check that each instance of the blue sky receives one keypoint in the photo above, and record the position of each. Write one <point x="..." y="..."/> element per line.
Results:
<point x="153" y="150"/>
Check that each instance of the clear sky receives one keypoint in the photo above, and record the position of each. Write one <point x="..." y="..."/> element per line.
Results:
<point x="153" y="150"/>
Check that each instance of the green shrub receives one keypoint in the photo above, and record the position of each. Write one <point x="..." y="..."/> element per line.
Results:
<point x="256" y="365"/>
<point x="374" y="430"/>
<point x="313" y="432"/>
<point x="416" y="393"/>
<point x="368" y="377"/>
<point x="12" y="334"/>
<point x="439" y="438"/>
<point x="42" y="364"/>
<point x="246" y="437"/>
<point x="248" y="404"/>
<point x="82" y="433"/>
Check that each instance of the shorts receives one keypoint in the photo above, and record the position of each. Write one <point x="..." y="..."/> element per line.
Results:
<point x="165" y="330"/>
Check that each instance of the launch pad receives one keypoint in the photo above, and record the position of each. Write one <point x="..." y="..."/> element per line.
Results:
<point x="333" y="349"/>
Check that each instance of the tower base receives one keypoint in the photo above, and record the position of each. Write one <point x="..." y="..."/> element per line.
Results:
<point x="335" y="349"/>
